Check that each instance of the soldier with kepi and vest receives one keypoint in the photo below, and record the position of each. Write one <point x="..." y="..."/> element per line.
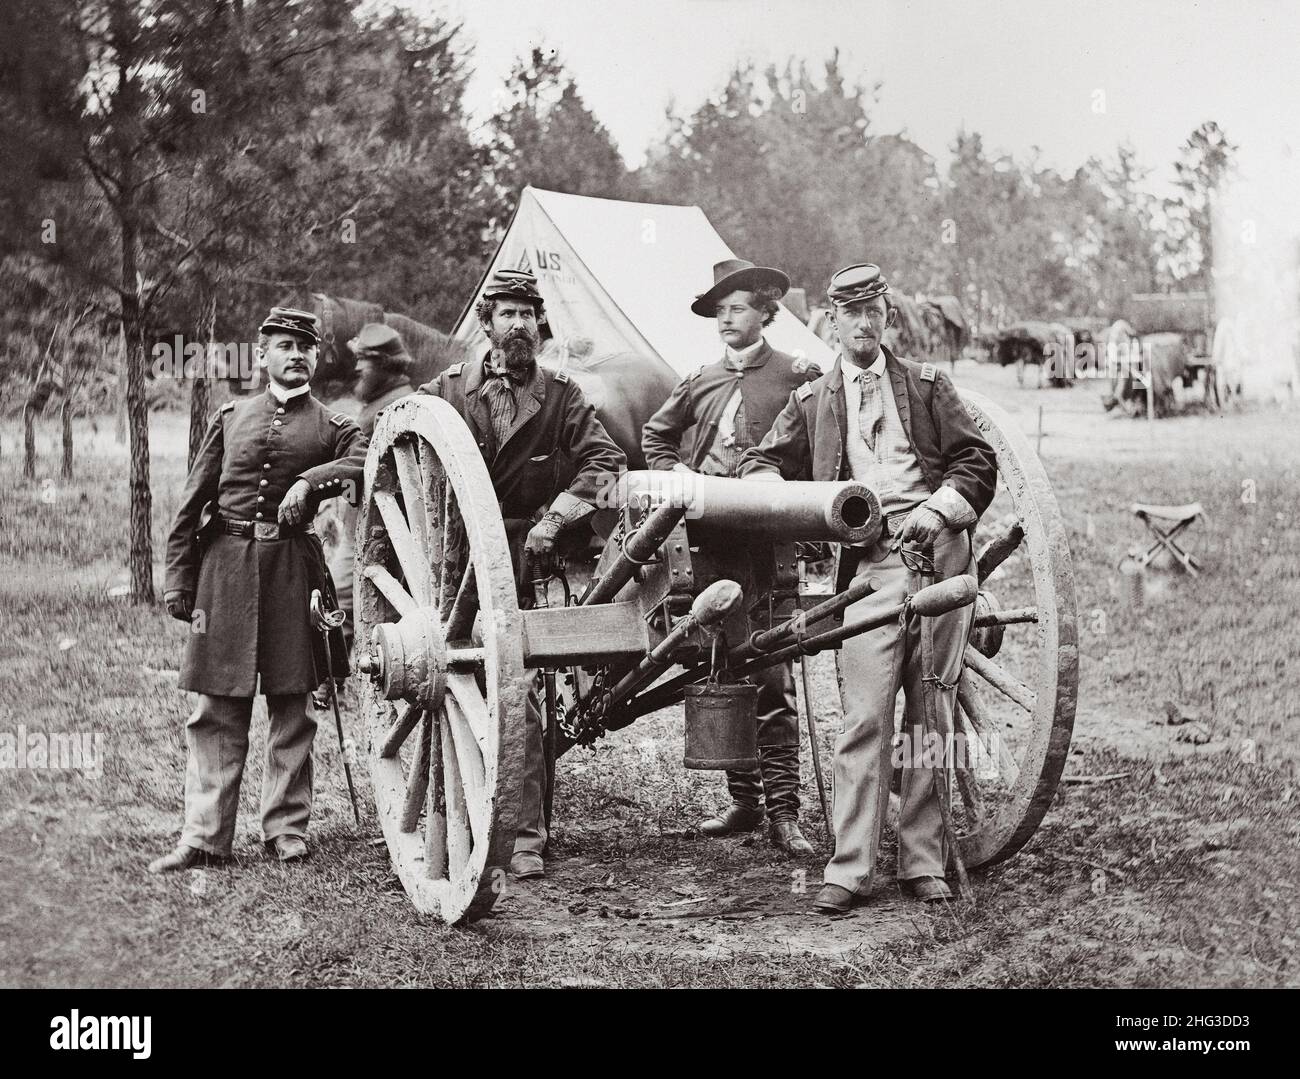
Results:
<point x="900" y="428"/>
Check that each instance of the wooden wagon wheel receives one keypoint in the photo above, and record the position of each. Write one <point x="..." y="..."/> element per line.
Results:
<point x="1019" y="684"/>
<point x="440" y="637"/>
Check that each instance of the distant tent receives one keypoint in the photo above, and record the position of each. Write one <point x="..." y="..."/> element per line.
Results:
<point x="619" y="277"/>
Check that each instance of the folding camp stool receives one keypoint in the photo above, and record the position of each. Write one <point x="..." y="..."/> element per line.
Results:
<point x="1165" y="522"/>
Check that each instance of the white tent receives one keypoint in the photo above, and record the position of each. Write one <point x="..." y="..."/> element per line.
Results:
<point x="621" y="276"/>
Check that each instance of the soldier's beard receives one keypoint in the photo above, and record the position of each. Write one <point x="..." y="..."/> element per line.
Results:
<point x="373" y="383"/>
<point x="515" y="349"/>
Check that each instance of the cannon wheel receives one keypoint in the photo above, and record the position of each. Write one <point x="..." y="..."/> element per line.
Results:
<point x="440" y="635"/>
<point x="1019" y="685"/>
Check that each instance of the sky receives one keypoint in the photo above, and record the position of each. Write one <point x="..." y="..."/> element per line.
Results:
<point x="1073" y="79"/>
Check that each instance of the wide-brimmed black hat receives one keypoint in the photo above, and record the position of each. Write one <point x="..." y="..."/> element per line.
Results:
<point x="732" y="275"/>
<point x="853" y="284"/>
<point x="287" y="320"/>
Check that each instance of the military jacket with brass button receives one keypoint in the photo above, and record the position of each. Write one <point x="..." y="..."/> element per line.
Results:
<point x="252" y="596"/>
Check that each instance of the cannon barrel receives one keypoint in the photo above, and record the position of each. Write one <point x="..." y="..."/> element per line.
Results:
<point x="843" y="512"/>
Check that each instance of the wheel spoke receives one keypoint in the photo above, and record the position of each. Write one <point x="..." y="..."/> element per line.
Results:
<point x="464" y="687"/>
<point x="414" y="495"/>
<point x="973" y="708"/>
<point x="453" y="538"/>
<point x="1006" y="538"/>
<point x="1011" y="617"/>
<point x="403" y="543"/>
<point x="970" y="794"/>
<point x="460" y="620"/>
<point x="435" y="819"/>
<point x="1004" y="683"/>
<point x="469" y="760"/>
<point x="434" y="480"/>
<point x="400" y="730"/>
<point x="459" y="840"/>
<point x="392" y="589"/>
<point x="417" y="781"/>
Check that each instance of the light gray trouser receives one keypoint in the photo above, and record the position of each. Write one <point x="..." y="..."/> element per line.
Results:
<point x="217" y="736"/>
<point x="872" y="669"/>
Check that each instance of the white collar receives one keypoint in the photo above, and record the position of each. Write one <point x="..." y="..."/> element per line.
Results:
<point x="852" y="371"/>
<point x="746" y="354"/>
<point x="282" y="394"/>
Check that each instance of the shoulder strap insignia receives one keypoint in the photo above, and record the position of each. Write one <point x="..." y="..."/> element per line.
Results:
<point x="455" y="369"/>
<point x="227" y="406"/>
<point x="560" y="376"/>
<point x="928" y="372"/>
<point x="805" y="391"/>
<point x="339" y="419"/>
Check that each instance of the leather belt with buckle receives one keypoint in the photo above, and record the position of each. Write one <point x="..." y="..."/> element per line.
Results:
<point x="264" y="530"/>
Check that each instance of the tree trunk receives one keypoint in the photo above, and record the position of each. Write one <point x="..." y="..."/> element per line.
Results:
<point x="66" y="414"/>
<point x="29" y="442"/>
<point x="200" y="406"/>
<point x="119" y="410"/>
<point x="137" y="416"/>
<point x="200" y="386"/>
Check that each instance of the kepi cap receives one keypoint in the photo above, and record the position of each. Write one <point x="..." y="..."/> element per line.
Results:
<point x="518" y="284"/>
<point x="288" y="320"/>
<point x="853" y="284"/>
<point x="380" y="343"/>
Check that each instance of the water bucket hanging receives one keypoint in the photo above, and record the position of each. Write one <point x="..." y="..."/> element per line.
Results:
<point x="721" y="726"/>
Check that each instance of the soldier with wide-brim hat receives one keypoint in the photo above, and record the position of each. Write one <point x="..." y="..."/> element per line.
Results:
<point x="729" y="404"/>
<point x="738" y="275"/>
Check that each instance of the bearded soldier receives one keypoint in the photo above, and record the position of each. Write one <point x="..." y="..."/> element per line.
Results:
<point x="550" y="459"/>
<point x="242" y="563"/>
<point x="383" y="377"/>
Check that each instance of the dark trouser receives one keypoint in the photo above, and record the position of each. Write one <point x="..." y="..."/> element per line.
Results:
<point x="776" y="779"/>
<point x="530" y="824"/>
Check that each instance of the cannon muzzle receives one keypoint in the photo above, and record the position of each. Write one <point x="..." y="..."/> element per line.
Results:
<point x="843" y="512"/>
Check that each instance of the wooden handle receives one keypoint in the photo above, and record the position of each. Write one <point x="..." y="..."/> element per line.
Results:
<point x="945" y="596"/>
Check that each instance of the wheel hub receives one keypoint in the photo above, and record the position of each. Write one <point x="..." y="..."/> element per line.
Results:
<point x="408" y="659"/>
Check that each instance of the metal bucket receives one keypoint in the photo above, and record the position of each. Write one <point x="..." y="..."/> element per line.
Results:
<point x="722" y="726"/>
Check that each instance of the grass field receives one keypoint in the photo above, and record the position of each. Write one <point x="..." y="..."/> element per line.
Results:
<point x="1183" y="871"/>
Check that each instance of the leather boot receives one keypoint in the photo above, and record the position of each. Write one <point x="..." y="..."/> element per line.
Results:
<point x="734" y="819"/>
<point x="785" y="835"/>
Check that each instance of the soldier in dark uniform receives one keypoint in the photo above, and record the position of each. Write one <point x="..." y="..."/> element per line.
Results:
<point x="731" y="403"/>
<point x="383" y="377"/>
<point x="242" y="561"/>
<point x="545" y="451"/>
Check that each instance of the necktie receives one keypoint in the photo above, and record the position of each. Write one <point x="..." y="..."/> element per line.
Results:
<point x="501" y="406"/>
<point x="871" y="409"/>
